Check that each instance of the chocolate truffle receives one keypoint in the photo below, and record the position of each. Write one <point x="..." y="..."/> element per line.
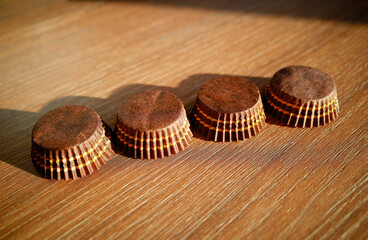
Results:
<point x="70" y="142"/>
<point x="152" y="125"/>
<point x="228" y="109"/>
<point x="302" y="97"/>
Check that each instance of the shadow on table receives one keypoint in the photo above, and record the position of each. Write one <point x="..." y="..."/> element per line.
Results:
<point x="354" y="11"/>
<point x="16" y="126"/>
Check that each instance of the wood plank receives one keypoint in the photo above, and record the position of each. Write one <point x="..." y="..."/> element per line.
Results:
<point x="285" y="183"/>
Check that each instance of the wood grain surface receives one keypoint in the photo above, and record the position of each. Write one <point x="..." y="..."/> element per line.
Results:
<point x="286" y="183"/>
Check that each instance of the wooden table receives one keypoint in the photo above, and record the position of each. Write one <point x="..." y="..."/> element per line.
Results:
<point x="286" y="183"/>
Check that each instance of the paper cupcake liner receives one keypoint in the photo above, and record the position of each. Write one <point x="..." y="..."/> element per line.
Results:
<point x="228" y="127"/>
<point x="153" y="144"/>
<point x="75" y="162"/>
<point x="311" y="114"/>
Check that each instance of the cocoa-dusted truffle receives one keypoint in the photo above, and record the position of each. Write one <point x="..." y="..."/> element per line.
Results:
<point x="228" y="109"/>
<point x="302" y="96"/>
<point x="70" y="142"/>
<point x="152" y="125"/>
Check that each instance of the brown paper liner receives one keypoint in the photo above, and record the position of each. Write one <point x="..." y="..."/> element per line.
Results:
<point x="295" y="113"/>
<point x="227" y="127"/>
<point x="153" y="144"/>
<point x="75" y="162"/>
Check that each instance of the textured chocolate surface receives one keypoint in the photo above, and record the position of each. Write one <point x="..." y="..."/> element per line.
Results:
<point x="152" y="110"/>
<point x="65" y="127"/>
<point x="303" y="83"/>
<point x="229" y="94"/>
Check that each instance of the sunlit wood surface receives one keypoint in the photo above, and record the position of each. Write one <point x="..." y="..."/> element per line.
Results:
<point x="286" y="183"/>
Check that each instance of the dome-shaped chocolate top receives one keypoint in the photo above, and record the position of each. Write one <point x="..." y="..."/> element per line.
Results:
<point x="303" y="83"/>
<point x="65" y="127"/>
<point x="152" y="110"/>
<point x="229" y="94"/>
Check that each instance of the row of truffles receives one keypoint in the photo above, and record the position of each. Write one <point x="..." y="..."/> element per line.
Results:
<point x="73" y="141"/>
